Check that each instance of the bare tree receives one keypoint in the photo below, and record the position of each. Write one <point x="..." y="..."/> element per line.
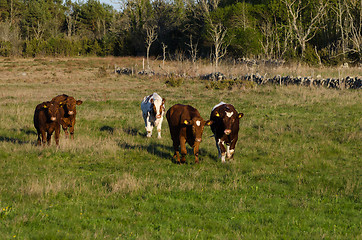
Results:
<point x="303" y="32"/>
<point x="354" y="19"/>
<point x="193" y="50"/>
<point x="216" y="30"/>
<point x="150" y="38"/>
<point x="164" y="46"/>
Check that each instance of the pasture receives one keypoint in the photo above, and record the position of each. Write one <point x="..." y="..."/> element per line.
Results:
<point x="296" y="173"/>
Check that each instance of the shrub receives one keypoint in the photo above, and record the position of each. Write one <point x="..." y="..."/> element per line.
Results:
<point x="5" y="48"/>
<point x="174" y="81"/>
<point x="229" y="84"/>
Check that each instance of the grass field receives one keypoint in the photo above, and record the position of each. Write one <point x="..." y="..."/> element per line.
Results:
<point x="296" y="172"/>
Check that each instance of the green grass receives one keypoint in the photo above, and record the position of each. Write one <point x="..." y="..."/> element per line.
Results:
<point x="296" y="172"/>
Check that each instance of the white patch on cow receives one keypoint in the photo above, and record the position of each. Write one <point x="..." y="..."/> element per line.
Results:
<point x="217" y="105"/>
<point x="229" y="114"/>
<point x="198" y="123"/>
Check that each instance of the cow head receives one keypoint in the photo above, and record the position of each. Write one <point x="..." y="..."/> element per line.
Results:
<point x="70" y="104"/>
<point x="52" y="110"/>
<point x="198" y="125"/>
<point x="228" y="118"/>
<point x="158" y="107"/>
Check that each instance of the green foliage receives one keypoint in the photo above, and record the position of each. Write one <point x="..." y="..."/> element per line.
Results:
<point x="230" y="84"/>
<point x="5" y="48"/>
<point x="173" y="81"/>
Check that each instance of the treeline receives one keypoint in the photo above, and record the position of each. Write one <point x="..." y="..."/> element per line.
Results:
<point x="314" y="31"/>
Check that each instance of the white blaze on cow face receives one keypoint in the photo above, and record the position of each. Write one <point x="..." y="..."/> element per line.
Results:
<point x="229" y="114"/>
<point x="198" y="123"/>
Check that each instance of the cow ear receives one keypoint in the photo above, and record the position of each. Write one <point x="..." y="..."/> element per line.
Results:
<point x="217" y="114"/>
<point x="208" y="123"/>
<point x="151" y="100"/>
<point x="79" y="102"/>
<point x="240" y="115"/>
<point x="163" y="100"/>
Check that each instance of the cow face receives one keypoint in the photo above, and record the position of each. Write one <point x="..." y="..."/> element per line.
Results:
<point x="52" y="110"/>
<point x="228" y="118"/>
<point x="198" y="125"/>
<point x="70" y="104"/>
<point x="158" y="108"/>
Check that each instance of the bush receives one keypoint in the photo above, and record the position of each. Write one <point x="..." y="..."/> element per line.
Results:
<point x="230" y="84"/>
<point x="174" y="81"/>
<point x="5" y="48"/>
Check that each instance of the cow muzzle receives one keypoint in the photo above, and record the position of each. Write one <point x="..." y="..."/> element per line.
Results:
<point x="227" y="131"/>
<point x="70" y="112"/>
<point x="198" y="139"/>
<point x="53" y="118"/>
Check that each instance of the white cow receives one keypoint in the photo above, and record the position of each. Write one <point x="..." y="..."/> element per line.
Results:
<point x="153" y="109"/>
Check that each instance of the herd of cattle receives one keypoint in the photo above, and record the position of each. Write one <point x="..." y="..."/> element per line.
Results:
<point x="185" y="123"/>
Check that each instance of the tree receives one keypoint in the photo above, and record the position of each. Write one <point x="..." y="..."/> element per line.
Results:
<point x="216" y="30"/>
<point x="303" y="19"/>
<point x="150" y="38"/>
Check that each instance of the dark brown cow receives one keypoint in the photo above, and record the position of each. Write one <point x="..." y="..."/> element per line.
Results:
<point x="46" y="121"/>
<point x="68" y="112"/>
<point x="186" y="125"/>
<point x="225" y="126"/>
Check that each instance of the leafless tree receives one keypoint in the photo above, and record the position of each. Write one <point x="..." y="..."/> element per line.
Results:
<point x="150" y="38"/>
<point x="216" y="31"/>
<point x="164" y="46"/>
<point x="193" y="50"/>
<point x="303" y="32"/>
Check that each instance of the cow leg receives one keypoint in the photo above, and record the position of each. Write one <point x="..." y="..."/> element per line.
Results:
<point x="43" y="138"/>
<point x="196" y="153"/>
<point x="149" y="127"/>
<point x="57" y="133"/>
<point x="183" y="150"/>
<point x="71" y="130"/>
<point x="66" y="132"/>
<point x="49" y="138"/>
<point x="176" y="155"/>
<point x="159" y="128"/>
<point x="218" y="147"/>
<point x="222" y="150"/>
<point x="228" y="152"/>
<point x="232" y="149"/>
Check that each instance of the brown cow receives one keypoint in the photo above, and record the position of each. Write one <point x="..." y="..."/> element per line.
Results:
<point x="68" y="112"/>
<point x="186" y="125"/>
<point x="47" y="120"/>
<point x="225" y="126"/>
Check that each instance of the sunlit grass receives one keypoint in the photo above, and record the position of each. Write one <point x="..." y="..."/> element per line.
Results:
<point x="296" y="172"/>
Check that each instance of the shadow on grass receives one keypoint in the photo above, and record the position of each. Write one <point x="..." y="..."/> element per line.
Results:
<point x="108" y="129"/>
<point x="167" y="152"/>
<point x="28" y="131"/>
<point x="156" y="149"/>
<point x="13" y="140"/>
<point x="134" y="132"/>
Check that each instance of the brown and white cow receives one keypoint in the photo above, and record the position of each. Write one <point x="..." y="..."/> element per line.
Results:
<point x="225" y="126"/>
<point x="186" y="125"/>
<point x="153" y="109"/>
<point x="47" y="121"/>
<point x="68" y="112"/>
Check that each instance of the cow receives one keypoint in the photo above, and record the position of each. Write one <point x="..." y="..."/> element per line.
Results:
<point x="46" y="121"/>
<point x="68" y="112"/>
<point x="186" y="125"/>
<point x="153" y="109"/>
<point x="225" y="126"/>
